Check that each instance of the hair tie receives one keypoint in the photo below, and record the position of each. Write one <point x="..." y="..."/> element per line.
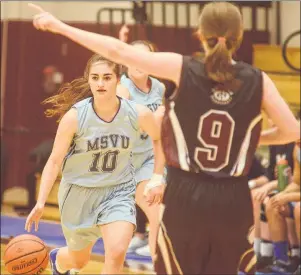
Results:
<point x="221" y="39"/>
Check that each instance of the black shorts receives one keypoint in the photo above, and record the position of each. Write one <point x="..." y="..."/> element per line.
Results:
<point x="205" y="224"/>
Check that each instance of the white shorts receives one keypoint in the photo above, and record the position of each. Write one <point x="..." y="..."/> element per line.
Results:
<point x="83" y="209"/>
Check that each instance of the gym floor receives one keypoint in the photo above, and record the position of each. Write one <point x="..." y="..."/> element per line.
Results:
<point x="50" y="232"/>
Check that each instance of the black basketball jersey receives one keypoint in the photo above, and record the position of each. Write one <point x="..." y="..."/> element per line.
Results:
<point x="209" y="129"/>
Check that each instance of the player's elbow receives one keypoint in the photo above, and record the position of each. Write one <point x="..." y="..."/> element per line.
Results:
<point x="124" y="54"/>
<point x="54" y="161"/>
<point x="156" y="138"/>
<point x="295" y="130"/>
<point x="296" y="135"/>
<point x="292" y="134"/>
<point x="117" y="53"/>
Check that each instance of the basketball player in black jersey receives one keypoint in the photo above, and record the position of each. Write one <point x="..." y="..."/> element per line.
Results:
<point x="210" y="131"/>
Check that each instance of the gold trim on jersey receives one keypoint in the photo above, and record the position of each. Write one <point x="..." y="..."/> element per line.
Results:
<point x="165" y="245"/>
<point x="240" y="163"/>
<point x="180" y="139"/>
<point x="251" y="263"/>
<point x="175" y="260"/>
<point x="164" y="251"/>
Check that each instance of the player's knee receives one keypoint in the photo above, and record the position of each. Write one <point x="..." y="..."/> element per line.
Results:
<point x="116" y="252"/>
<point x="270" y="209"/>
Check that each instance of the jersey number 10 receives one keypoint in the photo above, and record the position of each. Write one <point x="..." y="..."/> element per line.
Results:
<point x="104" y="162"/>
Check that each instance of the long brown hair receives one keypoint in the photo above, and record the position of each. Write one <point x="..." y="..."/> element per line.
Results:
<point x="75" y="91"/>
<point x="221" y="27"/>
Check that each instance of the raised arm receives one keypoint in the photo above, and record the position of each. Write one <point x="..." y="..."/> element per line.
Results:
<point x="288" y="128"/>
<point x="162" y="65"/>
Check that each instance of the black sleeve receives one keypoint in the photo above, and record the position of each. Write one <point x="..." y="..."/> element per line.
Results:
<point x="171" y="89"/>
<point x="185" y="71"/>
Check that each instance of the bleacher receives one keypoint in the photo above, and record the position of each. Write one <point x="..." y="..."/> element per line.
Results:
<point x="269" y="58"/>
<point x="263" y="55"/>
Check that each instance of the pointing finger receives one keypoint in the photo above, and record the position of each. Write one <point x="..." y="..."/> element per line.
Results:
<point x="36" y="7"/>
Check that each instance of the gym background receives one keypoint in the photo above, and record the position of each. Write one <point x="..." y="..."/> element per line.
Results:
<point x="34" y="64"/>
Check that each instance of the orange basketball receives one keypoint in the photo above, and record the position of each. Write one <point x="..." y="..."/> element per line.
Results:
<point x="26" y="254"/>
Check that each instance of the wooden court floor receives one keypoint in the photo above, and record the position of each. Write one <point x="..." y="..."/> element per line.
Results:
<point x="94" y="267"/>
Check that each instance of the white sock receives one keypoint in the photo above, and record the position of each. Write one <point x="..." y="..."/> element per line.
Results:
<point x="59" y="269"/>
<point x="295" y="252"/>
<point x="266" y="249"/>
<point x="256" y="246"/>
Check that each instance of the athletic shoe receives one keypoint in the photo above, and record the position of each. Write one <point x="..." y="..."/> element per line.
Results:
<point x="52" y="258"/>
<point x="144" y="251"/>
<point x="278" y="267"/>
<point x="137" y="242"/>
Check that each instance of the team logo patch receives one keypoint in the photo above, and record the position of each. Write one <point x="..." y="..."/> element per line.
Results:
<point x="221" y="97"/>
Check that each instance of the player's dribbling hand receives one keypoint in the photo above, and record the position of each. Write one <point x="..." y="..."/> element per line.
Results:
<point x="45" y="21"/>
<point x="34" y="217"/>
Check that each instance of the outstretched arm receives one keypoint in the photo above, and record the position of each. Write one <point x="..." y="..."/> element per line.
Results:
<point x="162" y="65"/>
<point x="66" y="130"/>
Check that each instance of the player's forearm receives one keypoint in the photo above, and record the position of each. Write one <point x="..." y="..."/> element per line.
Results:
<point x="260" y="181"/>
<point x="292" y="187"/>
<point x="48" y="178"/>
<point x="275" y="136"/>
<point x="272" y="185"/>
<point x="107" y="46"/>
<point x="293" y="196"/>
<point x="159" y="157"/>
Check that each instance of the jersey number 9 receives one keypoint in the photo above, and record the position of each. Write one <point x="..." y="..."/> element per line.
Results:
<point x="215" y="133"/>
